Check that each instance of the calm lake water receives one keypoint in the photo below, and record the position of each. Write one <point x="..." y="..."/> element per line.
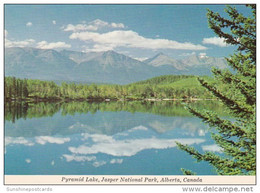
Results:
<point x="112" y="138"/>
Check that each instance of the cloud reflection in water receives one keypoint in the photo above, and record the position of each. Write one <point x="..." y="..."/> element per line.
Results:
<point x="126" y="147"/>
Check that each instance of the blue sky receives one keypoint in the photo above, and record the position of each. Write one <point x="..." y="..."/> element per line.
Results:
<point x="139" y="31"/>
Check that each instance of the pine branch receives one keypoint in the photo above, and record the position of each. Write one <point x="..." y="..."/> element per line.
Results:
<point x="231" y="104"/>
<point x="238" y="149"/>
<point x="216" y="23"/>
<point x="247" y="90"/>
<point x="187" y="172"/>
<point x="226" y="127"/>
<point x="244" y="63"/>
<point x="223" y="165"/>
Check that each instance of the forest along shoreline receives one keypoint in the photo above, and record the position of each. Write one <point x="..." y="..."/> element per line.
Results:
<point x="162" y="88"/>
<point x="29" y="99"/>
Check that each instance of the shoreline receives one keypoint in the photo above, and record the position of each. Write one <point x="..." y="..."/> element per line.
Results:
<point x="103" y="99"/>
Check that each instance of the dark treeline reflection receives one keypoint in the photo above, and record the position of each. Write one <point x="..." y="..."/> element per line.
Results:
<point x="15" y="110"/>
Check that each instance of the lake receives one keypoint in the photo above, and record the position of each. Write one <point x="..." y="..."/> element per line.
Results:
<point x="105" y="138"/>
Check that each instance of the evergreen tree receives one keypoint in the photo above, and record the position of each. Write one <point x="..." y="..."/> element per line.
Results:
<point x="14" y="88"/>
<point x="25" y="89"/>
<point x="237" y="139"/>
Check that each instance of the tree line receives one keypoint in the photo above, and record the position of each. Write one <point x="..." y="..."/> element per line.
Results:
<point x="26" y="110"/>
<point x="157" y="88"/>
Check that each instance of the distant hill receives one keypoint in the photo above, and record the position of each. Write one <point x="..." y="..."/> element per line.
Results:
<point x="165" y="79"/>
<point x="175" y="81"/>
<point x="163" y="60"/>
<point x="99" y="67"/>
<point x="111" y="67"/>
<point x="38" y="64"/>
<point x="187" y="64"/>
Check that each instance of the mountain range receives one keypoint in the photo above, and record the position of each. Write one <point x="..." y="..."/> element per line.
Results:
<point x="100" y="67"/>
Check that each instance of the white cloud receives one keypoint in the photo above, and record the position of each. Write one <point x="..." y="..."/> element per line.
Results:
<point x="18" y="140"/>
<point x="127" y="147"/>
<point x="79" y="27"/>
<point x="117" y="25"/>
<point x="99" y="48"/>
<point x="32" y="43"/>
<point x="92" y="26"/>
<point x="78" y="158"/>
<point x="39" y="139"/>
<point x="213" y="148"/>
<point x="49" y="139"/>
<point x="28" y="161"/>
<point x="99" y="163"/>
<point x="53" y="22"/>
<point x="52" y="45"/>
<point x="203" y="55"/>
<point x="141" y="59"/>
<point x="93" y="159"/>
<point x="217" y="41"/>
<point x="99" y="23"/>
<point x="52" y="162"/>
<point x="131" y="39"/>
<point x="98" y="137"/>
<point x="29" y="24"/>
<point x="23" y="43"/>
<point x="116" y="161"/>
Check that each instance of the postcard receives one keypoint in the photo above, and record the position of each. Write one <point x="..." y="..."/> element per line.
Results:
<point x="133" y="94"/>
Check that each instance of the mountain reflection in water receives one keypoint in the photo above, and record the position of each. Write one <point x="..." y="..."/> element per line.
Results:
<point x="104" y="138"/>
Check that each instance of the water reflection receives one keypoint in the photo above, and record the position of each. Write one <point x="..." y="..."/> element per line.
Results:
<point x="48" y="119"/>
<point x="122" y="145"/>
<point x="82" y="138"/>
<point x="127" y="147"/>
<point x="15" y="111"/>
<point x="36" y="140"/>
